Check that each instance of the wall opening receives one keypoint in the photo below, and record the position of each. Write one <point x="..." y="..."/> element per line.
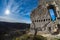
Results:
<point x="52" y="12"/>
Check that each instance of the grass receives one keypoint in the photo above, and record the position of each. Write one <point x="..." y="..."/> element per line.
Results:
<point x="30" y="37"/>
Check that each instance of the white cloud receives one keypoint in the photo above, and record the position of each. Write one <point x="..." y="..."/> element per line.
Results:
<point x="8" y="19"/>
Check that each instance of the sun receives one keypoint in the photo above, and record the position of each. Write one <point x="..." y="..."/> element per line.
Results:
<point x="7" y="11"/>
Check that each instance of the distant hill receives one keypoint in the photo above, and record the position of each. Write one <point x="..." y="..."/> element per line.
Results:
<point x="12" y="29"/>
<point x="7" y="26"/>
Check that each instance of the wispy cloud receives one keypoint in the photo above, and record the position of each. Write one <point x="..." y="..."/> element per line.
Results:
<point x="8" y="19"/>
<point x="19" y="10"/>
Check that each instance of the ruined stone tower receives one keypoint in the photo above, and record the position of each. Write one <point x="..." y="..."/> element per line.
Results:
<point x="46" y="17"/>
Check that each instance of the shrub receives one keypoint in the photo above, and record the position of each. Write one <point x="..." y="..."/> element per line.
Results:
<point x="39" y="37"/>
<point x="31" y="37"/>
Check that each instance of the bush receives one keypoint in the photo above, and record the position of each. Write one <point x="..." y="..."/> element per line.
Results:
<point x="56" y="39"/>
<point x="39" y="37"/>
<point x="24" y="37"/>
<point x="31" y="37"/>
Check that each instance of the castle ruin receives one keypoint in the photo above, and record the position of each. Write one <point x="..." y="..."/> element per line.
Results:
<point x="46" y="17"/>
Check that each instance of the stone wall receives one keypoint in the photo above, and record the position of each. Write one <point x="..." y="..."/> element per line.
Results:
<point x="41" y="19"/>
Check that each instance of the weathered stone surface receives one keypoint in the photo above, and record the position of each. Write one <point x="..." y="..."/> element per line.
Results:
<point x="41" y="19"/>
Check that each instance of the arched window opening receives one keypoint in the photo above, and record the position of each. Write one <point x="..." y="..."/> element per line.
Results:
<point x="49" y="28"/>
<point x="48" y="19"/>
<point x="52" y="12"/>
<point x="44" y="20"/>
<point x="39" y="20"/>
<point x="35" y="20"/>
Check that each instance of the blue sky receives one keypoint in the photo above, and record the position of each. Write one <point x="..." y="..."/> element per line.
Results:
<point x="18" y="10"/>
<point x="52" y="14"/>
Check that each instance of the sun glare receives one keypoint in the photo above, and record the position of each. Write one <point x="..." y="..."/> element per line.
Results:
<point x="7" y="12"/>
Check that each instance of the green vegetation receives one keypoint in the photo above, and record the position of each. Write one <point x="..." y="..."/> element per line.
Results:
<point x="39" y="37"/>
<point x="30" y="37"/>
<point x="56" y="39"/>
